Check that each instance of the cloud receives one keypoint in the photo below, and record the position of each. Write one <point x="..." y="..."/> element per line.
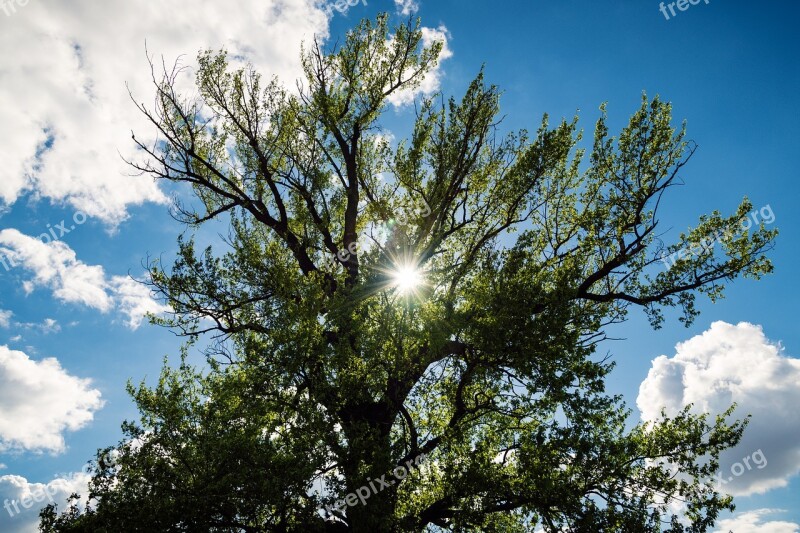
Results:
<point x="66" y="72"/>
<point x="40" y="401"/>
<point x="5" y="318"/>
<point x="752" y="522"/>
<point x="735" y="364"/>
<point x="432" y="80"/>
<point x="55" y="266"/>
<point x="50" y="325"/>
<point x="16" y="491"/>
<point x="134" y="300"/>
<point x="406" y="7"/>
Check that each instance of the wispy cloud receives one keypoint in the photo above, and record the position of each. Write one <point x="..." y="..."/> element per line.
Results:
<point x="5" y="318"/>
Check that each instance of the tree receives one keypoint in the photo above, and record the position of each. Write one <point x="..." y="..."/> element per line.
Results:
<point x="432" y="371"/>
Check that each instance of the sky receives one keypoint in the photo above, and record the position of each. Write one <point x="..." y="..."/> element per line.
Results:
<point x="76" y="226"/>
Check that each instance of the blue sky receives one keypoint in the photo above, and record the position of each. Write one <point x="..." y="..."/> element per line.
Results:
<point x="729" y="68"/>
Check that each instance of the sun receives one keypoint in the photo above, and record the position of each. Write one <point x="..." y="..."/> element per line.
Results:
<point x="407" y="278"/>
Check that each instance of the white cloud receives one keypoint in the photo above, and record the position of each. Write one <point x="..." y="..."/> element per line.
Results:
<point x="40" y="401"/>
<point x="55" y="266"/>
<point x="66" y="67"/>
<point x="134" y="300"/>
<point x="5" y="318"/>
<point x="752" y="522"/>
<point x="735" y="364"/>
<point x="50" y="325"/>
<point x="16" y="491"/>
<point x="406" y="7"/>
<point x="432" y="80"/>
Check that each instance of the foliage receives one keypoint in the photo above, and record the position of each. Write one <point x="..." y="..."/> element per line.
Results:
<point x="323" y="375"/>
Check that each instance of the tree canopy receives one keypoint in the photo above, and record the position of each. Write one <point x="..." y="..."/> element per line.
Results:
<point x="419" y="318"/>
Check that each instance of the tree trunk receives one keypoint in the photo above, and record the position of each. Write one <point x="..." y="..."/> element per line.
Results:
<point x="371" y="483"/>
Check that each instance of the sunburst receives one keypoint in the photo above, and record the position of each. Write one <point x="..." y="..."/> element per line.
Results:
<point x="407" y="278"/>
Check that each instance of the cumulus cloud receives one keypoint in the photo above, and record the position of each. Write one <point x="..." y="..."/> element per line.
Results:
<point x="22" y="499"/>
<point x="735" y="364"/>
<point x="753" y="522"/>
<point x="40" y="401"/>
<point x="55" y="266"/>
